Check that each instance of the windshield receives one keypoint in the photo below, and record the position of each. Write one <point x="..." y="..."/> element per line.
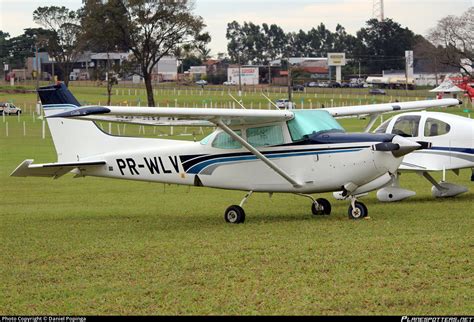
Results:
<point x="307" y="122"/>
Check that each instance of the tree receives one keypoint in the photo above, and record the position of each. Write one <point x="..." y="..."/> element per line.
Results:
<point x="102" y="16"/>
<point x="384" y="44"/>
<point x="454" y="36"/>
<point x="61" y="43"/>
<point x="153" y="29"/>
<point x="200" y="44"/>
<point x="236" y="44"/>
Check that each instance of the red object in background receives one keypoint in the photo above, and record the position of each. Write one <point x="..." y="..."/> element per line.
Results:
<point x="439" y="96"/>
<point x="466" y="84"/>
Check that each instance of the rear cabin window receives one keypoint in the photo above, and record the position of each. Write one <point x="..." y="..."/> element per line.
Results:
<point x="407" y="126"/>
<point x="434" y="127"/>
<point x="265" y="135"/>
<point x="225" y="141"/>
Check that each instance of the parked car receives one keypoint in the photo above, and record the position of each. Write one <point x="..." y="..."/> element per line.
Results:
<point x="356" y="85"/>
<point x="228" y="83"/>
<point x="298" y="88"/>
<point x="312" y="84"/>
<point x="284" y="104"/>
<point x="377" y="91"/>
<point x="201" y="82"/>
<point x="334" y="84"/>
<point x="9" y="108"/>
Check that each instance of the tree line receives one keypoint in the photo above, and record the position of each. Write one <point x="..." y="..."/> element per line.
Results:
<point x="151" y="29"/>
<point x="377" y="46"/>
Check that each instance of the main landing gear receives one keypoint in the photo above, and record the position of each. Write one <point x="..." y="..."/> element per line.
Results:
<point x="235" y="214"/>
<point x="320" y="206"/>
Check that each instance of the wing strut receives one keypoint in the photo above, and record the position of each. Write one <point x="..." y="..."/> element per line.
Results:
<point x="373" y="118"/>
<point x="259" y="155"/>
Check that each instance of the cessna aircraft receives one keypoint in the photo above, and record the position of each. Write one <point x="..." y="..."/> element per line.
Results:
<point x="452" y="140"/>
<point x="299" y="151"/>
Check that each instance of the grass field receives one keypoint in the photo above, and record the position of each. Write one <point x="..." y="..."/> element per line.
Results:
<point x="97" y="246"/>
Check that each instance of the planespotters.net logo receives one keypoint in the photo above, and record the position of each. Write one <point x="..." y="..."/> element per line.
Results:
<point x="437" y="319"/>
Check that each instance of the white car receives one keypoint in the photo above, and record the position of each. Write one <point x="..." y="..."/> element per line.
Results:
<point x="201" y="82"/>
<point x="228" y="83"/>
<point x="284" y="104"/>
<point x="9" y="108"/>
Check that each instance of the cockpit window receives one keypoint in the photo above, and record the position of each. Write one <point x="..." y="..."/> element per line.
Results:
<point x="225" y="141"/>
<point x="382" y="127"/>
<point x="265" y="135"/>
<point x="407" y="126"/>
<point x="434" y="127"/>
<point x="307" y="122"/>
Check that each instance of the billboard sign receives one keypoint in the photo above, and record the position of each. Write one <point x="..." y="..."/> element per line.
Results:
<point x="248" y="75"/>
<point x="336" y="59"/>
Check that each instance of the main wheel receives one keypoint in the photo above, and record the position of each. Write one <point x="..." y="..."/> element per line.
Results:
<point x="323" y="208"/>
<point x="360" y="211"/>
<point x="234" y="215"/>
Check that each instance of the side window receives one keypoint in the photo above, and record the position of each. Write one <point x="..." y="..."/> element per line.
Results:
<point x="225" y="141"/>
<point x="434" y="127"/>
<point x="407" y="126"/>
<point x="265" y="136"/>
<point x="383" y="127"/>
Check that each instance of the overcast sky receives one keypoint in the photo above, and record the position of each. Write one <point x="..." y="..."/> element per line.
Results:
<point x="291" y="15"/>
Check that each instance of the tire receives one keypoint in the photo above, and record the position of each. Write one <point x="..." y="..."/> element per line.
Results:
<point x="359" y="212"/>
<point x="234" y="215"/>
<point x="326" y="207"/>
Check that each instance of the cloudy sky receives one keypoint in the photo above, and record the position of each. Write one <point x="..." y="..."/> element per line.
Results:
<point x="291" y="15"/>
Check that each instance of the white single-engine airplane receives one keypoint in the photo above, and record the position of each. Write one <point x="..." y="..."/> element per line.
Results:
<point x="452" y="140"/>
<point x="299" y="151"/>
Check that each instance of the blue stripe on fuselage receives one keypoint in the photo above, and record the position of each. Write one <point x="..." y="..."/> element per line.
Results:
<point x="451" y="149"/>
<point x="202" y="165"/>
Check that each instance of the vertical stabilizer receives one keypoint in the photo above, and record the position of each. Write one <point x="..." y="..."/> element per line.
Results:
<point x="74" y="140"/>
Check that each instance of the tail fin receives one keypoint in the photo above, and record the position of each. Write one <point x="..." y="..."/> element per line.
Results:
<point x="56" y="95"/>
<point x="74" y="140"/>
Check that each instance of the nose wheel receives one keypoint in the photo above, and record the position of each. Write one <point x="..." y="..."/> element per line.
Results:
<point x="357" y="210"/>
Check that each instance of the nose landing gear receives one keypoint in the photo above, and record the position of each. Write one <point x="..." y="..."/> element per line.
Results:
<point x="357" y="210"/>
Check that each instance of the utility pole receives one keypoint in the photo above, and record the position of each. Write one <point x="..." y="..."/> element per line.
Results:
<point x="240" y="78"/>
<point x="37" y="70"/>
<point x="289" y="83"/>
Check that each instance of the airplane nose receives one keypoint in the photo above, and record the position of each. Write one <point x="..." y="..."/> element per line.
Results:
<point x="405" y="146"/>
<point x="399" y="146"/>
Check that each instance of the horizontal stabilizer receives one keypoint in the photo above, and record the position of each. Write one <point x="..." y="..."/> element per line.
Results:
<point x="53" y="170"/>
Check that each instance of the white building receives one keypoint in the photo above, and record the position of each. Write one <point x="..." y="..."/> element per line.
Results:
<point x="166" y="69"/>
<point x="248" y="75"/>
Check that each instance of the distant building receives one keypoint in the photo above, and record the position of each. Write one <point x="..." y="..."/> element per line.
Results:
<point x="166" y="70"/>
<point x="249" y="75"/>
<point x="197" y="72"/>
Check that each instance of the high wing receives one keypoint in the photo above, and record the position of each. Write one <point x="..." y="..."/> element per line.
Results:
<point x="53" y="170"/>
<point x="210" y="116"/>
<point x="390" y="107"/>
<point x="176" y="115"/>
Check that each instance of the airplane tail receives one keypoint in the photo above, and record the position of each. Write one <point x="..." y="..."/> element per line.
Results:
<point x="74" y="140"/>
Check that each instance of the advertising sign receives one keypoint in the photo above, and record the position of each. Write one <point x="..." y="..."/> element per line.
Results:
<point x="336" y="59"/>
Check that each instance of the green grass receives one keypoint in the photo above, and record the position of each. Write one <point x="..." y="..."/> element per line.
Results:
<point x="98" y="246"/>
